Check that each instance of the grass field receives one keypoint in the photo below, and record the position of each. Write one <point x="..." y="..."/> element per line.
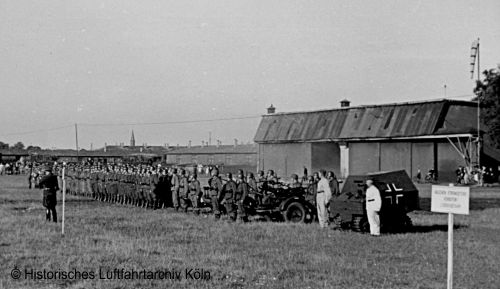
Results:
<point x="101" y="236"/>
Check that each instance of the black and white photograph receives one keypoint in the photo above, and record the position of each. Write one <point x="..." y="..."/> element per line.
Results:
<point x="249" y="144"/>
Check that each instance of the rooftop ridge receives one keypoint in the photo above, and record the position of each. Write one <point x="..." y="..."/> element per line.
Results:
<point x="440" y="100"/>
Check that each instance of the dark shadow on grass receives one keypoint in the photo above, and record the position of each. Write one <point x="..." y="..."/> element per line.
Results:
<point x="433" y="228"/>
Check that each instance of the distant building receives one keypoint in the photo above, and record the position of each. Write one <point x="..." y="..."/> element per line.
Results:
<point x="357" y="140"/>
<point x="12" y="155"/>
<point x="228" y="155"/>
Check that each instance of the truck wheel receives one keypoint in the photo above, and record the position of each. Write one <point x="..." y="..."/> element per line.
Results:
<point x="360" y="224"/>
<point x="295" y="213"/>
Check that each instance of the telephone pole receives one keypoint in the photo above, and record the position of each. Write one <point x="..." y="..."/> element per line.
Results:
<point x="76" y="138"/>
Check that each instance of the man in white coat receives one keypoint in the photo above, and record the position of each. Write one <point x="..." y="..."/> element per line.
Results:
<point x="323" y="196"/>
<point x="373" y="205"/>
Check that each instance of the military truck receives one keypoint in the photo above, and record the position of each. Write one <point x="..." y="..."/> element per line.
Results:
<point x="399" y="197"/>
<point x="282" y="204"/>
<point x="276" y="203"/>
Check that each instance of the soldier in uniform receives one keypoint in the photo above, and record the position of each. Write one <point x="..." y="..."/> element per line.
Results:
<point x="294" y="182"/>
<point x="163" y="189"/>
<point x="215" y="184"/>
<point x="100" y="184"/>
<point x="242" y="190"/>
<point x="229" y="195"/>
<point x="334" y="183"/>
<point x="272" y="179"/>
<point x="49" y="185"/>
<point x="195" y="193"/>
<point x="184" y="189"/>
<point x="155" y="185"/>
<point x="174" y="188"/>
<point x="30" y="176"/>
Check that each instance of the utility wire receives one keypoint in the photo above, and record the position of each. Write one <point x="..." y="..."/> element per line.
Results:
<point x="37" y="131"/>
<point x="170" y="122"/>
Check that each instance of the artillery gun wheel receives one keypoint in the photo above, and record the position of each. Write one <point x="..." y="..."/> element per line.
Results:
<point x="295" y="213"/>
<point x="360" y="224"/>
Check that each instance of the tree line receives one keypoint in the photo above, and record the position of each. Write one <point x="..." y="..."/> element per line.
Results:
<point x="18" y="146"/>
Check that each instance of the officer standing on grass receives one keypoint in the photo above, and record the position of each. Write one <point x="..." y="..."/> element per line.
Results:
<point x="49" y="185"/>
<point x="373" y="205"/>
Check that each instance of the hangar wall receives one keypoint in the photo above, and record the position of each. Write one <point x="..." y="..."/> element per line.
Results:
<point x="410" y="156"/>
<point x="396" y="156"/>
<point x="364" y="157"/>
<point x="448" y="161"/>
<point x="422" y="157"/>
<point x="326" y="156"/>
<point x="285" y="159"/>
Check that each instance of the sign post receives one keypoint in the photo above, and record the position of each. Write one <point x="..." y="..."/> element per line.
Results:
<point x="451" y="200"/>
<point x="63" y="196"/>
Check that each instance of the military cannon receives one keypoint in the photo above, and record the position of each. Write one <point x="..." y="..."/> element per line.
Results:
<point x="399" y="197"/>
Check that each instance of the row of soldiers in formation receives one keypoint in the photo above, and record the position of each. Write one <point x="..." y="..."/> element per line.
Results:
<point x="160" y="187"/>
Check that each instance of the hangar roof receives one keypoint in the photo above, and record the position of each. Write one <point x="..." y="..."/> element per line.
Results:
<point x="409" y="119"/>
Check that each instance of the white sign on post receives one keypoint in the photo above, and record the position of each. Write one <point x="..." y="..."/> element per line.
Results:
<point x="451" y="200"/>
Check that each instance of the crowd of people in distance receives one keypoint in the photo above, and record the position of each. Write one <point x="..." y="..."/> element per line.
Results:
<point x="484" y="176"/>
<point x="12" y="168"/>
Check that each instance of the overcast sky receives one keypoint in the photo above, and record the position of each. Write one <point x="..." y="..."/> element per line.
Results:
<point x="113" y="62"/>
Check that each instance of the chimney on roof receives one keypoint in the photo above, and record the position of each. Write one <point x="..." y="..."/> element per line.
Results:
<point x="202" y="143"/>
<point x="345" y="103"/>
<point x="271" y="109"/>
<point x="105" y="147"/>
<point x="189" y="144"/>
<point x="235" y="142"/>
<point x="218" y="143"/>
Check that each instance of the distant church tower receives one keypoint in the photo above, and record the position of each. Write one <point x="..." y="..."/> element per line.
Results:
<point x="132" y="140"/>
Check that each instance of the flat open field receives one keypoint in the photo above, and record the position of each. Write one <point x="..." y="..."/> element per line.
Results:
<point x="102" y="237"/>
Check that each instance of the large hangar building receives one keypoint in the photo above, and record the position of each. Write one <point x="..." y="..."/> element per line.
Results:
<point x="437" y="134"/>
